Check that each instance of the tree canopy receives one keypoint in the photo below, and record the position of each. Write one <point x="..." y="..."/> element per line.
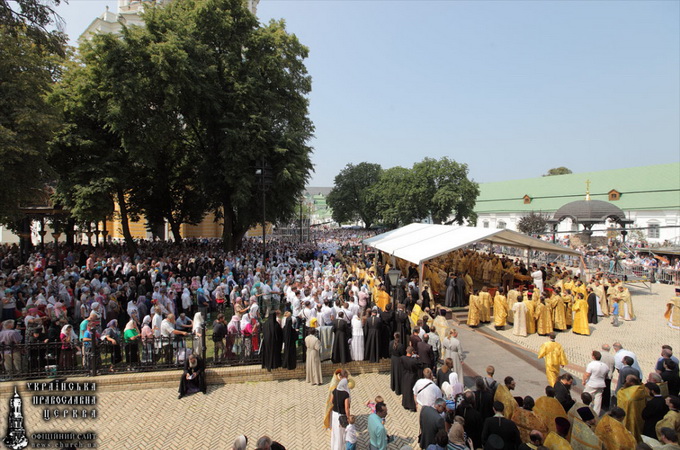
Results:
<point x="532" y="224"/>
<point x="558" y="171"/>
<point x="350" y="197"/>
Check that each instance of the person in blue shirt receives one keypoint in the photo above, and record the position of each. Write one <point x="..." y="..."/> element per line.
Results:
<point x="376" y="428"/>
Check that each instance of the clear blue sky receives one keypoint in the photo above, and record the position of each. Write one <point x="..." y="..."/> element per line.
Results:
<point x="511" y="88"/>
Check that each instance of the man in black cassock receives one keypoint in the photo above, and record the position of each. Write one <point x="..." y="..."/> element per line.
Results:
<point x="272" y="342"/>
<point x="386" y="330"/>
<point x="372" y="337"/>
<point x="289" y="341"/>
<point x="402" y="325"/>
<point x="460" y="290"/>
<point x="341" y="331"/>
<point x="592" y="306"/>
<point x="193" y="378"/>
<point x="409" y="376"/>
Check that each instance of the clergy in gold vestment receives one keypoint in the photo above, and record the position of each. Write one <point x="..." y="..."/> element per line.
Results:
<point x="601" y="293"/>
<point x="555" y="358"/>
<point x="626" y="304"/>
<point x="556" y="442"/>
<point x="583" y="437"/>
<point x="549" y="408"/>
<point x="568" y="305"/>
<point x="474" y="311"/>
<point x="527" y="420"/>
<point x="544" y="324"/>
<point x="416" y="313"/>
<point x="612" y="433"/>
<point x="512" y="299"/>
<point x="504" y="396"/>
<point x="531" y="314"/>
<point x="670" y="420"/>
<point x="519" y="327"/>
<point x="672" y="314"/>
<point x="581" y="316"/>
<point x="632" y="399"/>
<point x="485" y="304"/>
<point x="500" y="309"/>
<point x="382" y="298"/>
<point x="559" y="312"/>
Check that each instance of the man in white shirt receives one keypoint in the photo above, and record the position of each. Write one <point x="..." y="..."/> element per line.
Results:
<point x="619" y="355"/>
<point x="594" y="380"/>
<point x="426" y="391"/>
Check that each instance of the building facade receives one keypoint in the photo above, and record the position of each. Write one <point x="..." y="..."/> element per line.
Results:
<point x="649" y="196"/>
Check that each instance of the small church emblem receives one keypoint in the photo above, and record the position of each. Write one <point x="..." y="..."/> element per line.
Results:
<point x="16" y="433"/>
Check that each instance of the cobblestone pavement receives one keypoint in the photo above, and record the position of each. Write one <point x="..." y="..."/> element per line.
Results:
<point x="290" y="412"/>
<point x="643" y="336"/>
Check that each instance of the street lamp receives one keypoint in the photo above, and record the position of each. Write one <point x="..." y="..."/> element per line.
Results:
<point x="393" y="275"/>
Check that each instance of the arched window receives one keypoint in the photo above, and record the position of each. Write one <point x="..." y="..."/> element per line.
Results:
<point x="485" y="224"/>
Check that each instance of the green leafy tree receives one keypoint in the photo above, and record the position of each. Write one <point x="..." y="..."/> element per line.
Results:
<point x="94" y="169"/>
<point x="533" y="223"/>
<point x="350" y="197"/>
<point x="27" y="72"/>
<point x="557" y="171"/>
<point x="395" y="197"/>
<point x="144" y="110"/>
<point x="32" y="19"/>
<point x="442" y="189"/>
<point x="242" y="94"/>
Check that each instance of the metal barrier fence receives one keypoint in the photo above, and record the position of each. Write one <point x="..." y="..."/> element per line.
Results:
<point x="54" y="359"/>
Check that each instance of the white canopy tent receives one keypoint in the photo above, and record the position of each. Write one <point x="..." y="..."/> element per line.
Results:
<point x="419" y="242"/>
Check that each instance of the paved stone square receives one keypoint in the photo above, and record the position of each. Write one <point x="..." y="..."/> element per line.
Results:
<point x="290" y="412"/>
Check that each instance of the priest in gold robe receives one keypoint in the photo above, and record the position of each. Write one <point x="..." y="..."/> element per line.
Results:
<point x="632" y="398"/>
<point x="558" y="439"/>
<point x="583" y="437"/>
<point x="512" y="299"/>
<point x="519" y="311"/>
<point x="568" y="300"/>
<point x="527" y="420"/>
<point x="672" y="314"/>
<point x="555" y="358"/>
<point x="581" y="316"/>
<point x="544" y="324"/>
<point x="531" y="312"/>
<point x="559" y="312"/>
<point x="504" y="396"/>
<point x="485" y="304"/>
<point x="500" y="309"/>
<point x="626" y="303"/>
<point x="474" y="311"/>
<point x="549" y="408"/>
<point x="613" y="433"/>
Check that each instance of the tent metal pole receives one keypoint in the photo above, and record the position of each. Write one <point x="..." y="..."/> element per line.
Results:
<point x="421" y="270"/>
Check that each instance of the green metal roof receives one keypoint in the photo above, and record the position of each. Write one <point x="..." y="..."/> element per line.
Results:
<point x="641" y="188"/>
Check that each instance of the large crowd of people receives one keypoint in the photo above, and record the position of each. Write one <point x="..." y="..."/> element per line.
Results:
<point x="339" y="297"/>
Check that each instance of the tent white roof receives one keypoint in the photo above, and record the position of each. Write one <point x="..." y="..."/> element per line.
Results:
<point x="419" y="242"/>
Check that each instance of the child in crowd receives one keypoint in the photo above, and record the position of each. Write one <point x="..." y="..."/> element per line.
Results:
<point x="615" y="312"/>
<point x="371" y="404"/>
<point x="351" y="434"/>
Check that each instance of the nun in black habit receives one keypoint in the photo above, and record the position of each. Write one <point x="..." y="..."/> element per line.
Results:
<point x="592" y="306"/>
<point x="402" y="325"/>
<point x="193" y="378"/>
<point x="386" y="330"/>
<point x="289" y="343"/>
<point x="341" y="332"/>
<point x="372" y="337"/>
<point x="272" y="341"/>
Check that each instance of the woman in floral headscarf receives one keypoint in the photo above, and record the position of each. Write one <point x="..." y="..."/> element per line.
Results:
<point x="147" y="340"/>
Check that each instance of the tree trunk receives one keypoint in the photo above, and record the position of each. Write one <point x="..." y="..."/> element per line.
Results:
<point x="228" y="226"/>
<point x="175" y="227"/>
<point x="122" y="204"/>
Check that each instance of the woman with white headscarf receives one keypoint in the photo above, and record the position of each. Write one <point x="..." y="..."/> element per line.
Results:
<point x="147" y="340"/>
<point x="69" y="339"/>
<point x="197" y="330"/>
<point x="186" y="300"/>
<point x="131" y="338"/>
<point x="341" y="406"/>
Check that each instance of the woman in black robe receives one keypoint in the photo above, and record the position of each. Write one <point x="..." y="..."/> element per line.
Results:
<point x="193" y="378"/>
<point x="386" y="330"/>
<point x="289" y="343"/>
<point x="409" y="376"/>
<point x="341" y="332"/>
<point x="402" y="324"/>
<point x="372" y="337"/>
<point x="396" y="352"/>
<point x="272" y="341"/>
